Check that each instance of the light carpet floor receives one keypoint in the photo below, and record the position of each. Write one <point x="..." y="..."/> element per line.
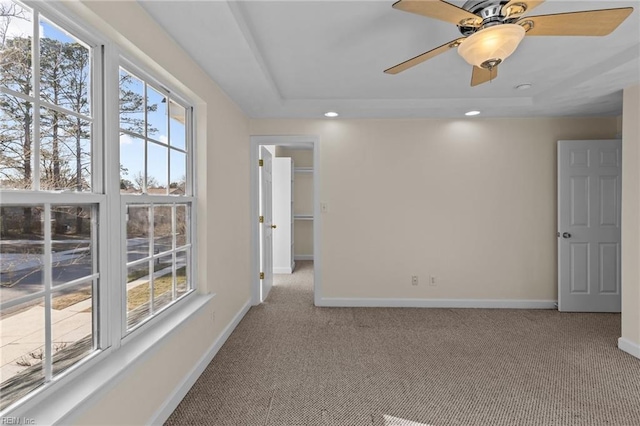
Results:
<point x="290" y="363"/>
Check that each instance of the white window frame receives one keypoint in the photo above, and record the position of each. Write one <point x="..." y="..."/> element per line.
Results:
<point x="95" y="197"/>
<point x="151" y="200"/>
<point x="118" y="348"/>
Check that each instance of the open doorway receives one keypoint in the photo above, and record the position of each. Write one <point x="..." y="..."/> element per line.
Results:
<point x="285" y="219"/>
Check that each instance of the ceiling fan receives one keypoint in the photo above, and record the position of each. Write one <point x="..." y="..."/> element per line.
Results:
<point x="493" y="29"/>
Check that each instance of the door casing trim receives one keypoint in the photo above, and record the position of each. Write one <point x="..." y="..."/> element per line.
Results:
<point x="289" y="140"/>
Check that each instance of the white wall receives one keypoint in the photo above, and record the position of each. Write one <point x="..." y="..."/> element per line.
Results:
<point x="223" y="216"/>
<point x="303" y="200"/>
<point x="303" y="205"/>
<point x="301" y="157"/>
<point x="630" y="340"/>
<point x="303" y="194"/>
<point x="303" y="239"/>
<point x="471" y="201"/>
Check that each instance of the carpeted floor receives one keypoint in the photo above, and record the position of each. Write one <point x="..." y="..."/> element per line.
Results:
<point x="290" y="363"/>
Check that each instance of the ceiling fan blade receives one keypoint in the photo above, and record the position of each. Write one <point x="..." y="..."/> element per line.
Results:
<point x="439" y="9"/>
<point x="586" y="23"/>
<point x="482" y="75"/>
<point x="424" y="56"/>
<point x="517" y="8"/>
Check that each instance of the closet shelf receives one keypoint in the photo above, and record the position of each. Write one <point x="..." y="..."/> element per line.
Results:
<point x="303" y="169"/>
<point x="303" y="216"/>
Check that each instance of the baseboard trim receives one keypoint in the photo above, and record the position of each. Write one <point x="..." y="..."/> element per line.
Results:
<point x="282" y="270"/>
<point x="303" y="257"/>
<point x="436" y="303"/>
<point x="161" y="416"/>
<point x="629" y="347"/>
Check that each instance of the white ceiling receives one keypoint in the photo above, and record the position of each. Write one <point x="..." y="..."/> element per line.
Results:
<point x="299" y="59"/>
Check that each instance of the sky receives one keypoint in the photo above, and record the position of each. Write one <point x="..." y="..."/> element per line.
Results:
<point x="132" y="148"/>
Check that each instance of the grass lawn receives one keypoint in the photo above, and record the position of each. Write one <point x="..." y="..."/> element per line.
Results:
<point x="61" y="302"/>
<point x="140" y="295"/>
<point x="136" y="297"/>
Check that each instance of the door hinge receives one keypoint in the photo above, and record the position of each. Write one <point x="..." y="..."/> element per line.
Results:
<point x="260" y="163"/>
<point x="261" y="219"/>
<point x="262" y="275"/>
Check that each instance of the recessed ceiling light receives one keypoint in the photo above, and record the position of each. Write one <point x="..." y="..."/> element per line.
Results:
<point x="331" y="114"/>
<point x="471" y="113"/>
<point x="524" y="86"/>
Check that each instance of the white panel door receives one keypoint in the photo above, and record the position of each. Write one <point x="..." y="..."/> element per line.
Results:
<point x="282" y="211"/>
<point x="266" y="228"/>
<point x="589" y="214"/>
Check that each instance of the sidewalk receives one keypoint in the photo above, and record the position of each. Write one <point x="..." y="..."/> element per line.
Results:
<point x="23" y="333"/>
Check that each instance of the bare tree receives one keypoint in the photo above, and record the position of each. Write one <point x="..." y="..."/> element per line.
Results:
<point x="64" y="81"/>
<point x="132" y="119"/>
<point x="16" y="116"/>
<point x="9" y="12"/>
<point x="138" y="181"/>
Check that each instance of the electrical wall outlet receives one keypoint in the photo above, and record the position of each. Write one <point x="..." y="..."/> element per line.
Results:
<point x="432" y="280"/>
<point x="414" y="280"/>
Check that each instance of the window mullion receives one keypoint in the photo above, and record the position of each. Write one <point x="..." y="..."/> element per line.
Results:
<point x="137" y="262"/>
<point x="190" y="186"/>
<point x="112" y="325"/>
<point x="169" y="144"/>
<point x="35" y="60"/>
<point x="48" y="268"/>
<point x="65" y="111"/>
<point x="145" y="189"/>
<point x="122" y="275"/>
<point x="174" y="259"/>
<point x="24" y="96"/>
<point x="99" y="312"/>
<point x="59" y="197"/>
<point x="22" y="299"/>
<point x="152" y="250"/>
<point x="96" y="280"/>
<point x="99" y="118"/>
<point x="158" y="199"/>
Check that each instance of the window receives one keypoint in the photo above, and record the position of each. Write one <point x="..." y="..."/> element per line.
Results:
<point x="63" y="301"/>
<point x="50" y="274"/>
<point x="156" y="191"/>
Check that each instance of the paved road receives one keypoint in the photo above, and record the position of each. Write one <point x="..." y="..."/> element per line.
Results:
<point x="72" y="260"/>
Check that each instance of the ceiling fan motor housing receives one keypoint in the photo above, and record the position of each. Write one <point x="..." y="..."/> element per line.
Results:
<point x="489" y="10"/>
<point x="493" y="29"/>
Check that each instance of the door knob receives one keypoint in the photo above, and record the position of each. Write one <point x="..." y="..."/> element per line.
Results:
<point x="566" y="235"/>
<point x="273" y="226"/>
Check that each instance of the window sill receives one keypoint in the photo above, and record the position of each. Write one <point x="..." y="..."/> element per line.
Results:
<point x="61" y="402"/>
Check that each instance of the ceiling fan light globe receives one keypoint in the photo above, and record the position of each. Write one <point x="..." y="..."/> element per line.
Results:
<point x="492" y="43"/>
